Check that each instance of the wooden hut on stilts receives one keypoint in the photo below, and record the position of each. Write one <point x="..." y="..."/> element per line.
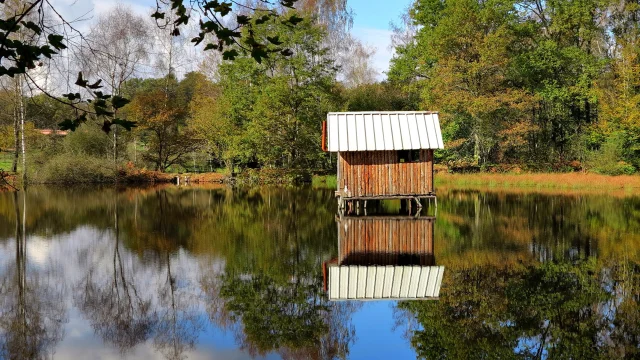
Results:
<point x="383" y="155"/>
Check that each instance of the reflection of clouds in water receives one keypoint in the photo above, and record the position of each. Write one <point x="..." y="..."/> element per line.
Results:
<point x="87" y="350"/>
<point x="7" y="252"/>
<point x="149" y="261"/>
<point x="37" y="251"/>
<point x="88" y="250"/>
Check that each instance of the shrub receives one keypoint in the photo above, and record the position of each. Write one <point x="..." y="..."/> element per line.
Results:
<point x="75" y="169"/>
<point x="88" y="140"/>
<point x="608" y="160"/>
<point x="324" y="181"/>
<point x="617" y="168"/>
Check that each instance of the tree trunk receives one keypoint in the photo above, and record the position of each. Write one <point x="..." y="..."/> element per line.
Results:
<point x="476" y="148"/>
<point x="16" y="136"/>
<point x="23" y="147"/>
<point x="115" y="151"/>
<point x="135" y="151"/>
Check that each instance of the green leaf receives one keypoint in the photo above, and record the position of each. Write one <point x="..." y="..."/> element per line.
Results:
<point x="128" y="125"/>
<point x="72" y="124"/>
<point x="119" y="101"/>
<point x="47" y="51"/>
<point x="197" y="40"/>
<point x="263" y="19"/>
<point x="288" y="3"/>
<point x="243" y="19"/>
<point x="95" y="85"/>
<point x="68" y="124"/>
<point x="80" y="81"/>
<point x="274" y="40"/>
<point x="106" y="126"/>
<point x="258" y="53"/>
<point x="211" y="5"/>
<point x="72" y="96"/>
<point x="32" y="26"/>
<point x="158" y="15"/>
<point x="293" y="20"/>
<point x="208" y="26"/>
<point x="286" y="52"/>
<point x="100" y="107"/>
<point x="223" y="8"/>
<point x="101" y="95"/>
<point x="210" y="47"/>
<point x="56" y="41"/>
<point x="229" y="54"/>
<point x="227" y="35"/>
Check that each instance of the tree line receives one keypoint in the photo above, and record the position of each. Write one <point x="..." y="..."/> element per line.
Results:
<point x="519" y="84"/>
<point x="547" y="85"/>
<point x="218" y="113"/>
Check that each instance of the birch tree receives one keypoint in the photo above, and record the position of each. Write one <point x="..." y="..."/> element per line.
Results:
<point x="118" y="51"/>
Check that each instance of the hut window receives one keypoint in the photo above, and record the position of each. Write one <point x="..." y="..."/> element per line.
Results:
<point x="408" y="156"/>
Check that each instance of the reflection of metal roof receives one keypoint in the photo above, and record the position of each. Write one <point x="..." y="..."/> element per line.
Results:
<point x="387" y="130"/>
<point x="384" y="282"/>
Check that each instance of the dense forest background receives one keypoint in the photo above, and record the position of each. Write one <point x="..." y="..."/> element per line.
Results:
<point x="532" y="85"/>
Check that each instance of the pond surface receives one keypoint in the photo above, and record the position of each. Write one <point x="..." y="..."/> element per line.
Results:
<point x="202" y="273"/>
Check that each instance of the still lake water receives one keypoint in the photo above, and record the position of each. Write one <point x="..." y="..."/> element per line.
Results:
<point x="203" y="273"/>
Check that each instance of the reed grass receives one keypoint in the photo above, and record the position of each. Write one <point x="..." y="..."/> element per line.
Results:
<point x="627" y="184"/>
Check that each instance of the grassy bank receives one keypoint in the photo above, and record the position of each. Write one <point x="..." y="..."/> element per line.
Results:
<point x="538" y="182"/>
<point x="541" y="181"/>
<point x="6" y="160"/>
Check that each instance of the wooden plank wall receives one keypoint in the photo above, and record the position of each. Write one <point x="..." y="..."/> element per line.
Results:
<point x="380" y="173"/>
<point x="380" y="241"/>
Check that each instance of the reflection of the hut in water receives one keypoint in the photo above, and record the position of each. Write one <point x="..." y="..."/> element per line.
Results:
<point x="384" y="258"/>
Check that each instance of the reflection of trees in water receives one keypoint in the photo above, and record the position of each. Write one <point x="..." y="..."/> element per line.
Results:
<point x="178" y="322"/>
<point x="132" y="289"/>
<point x="31" y="307"/>
<point x="292" y="318"/>
<point x="270" y="292"/>
<point x="112" y="303"/>
<point x="126" y="312"/>
<point x="536" y="226"/>
<point x="566" y="310"/>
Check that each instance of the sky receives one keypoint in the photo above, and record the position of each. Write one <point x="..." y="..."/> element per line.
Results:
<point x="370" y="24"/>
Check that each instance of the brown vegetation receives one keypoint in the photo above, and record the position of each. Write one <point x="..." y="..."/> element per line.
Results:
<point x="7" y="181"/>
<point x="130" y="174"/>
<point x="210" y="177"/>
<point x="543" y="182"/>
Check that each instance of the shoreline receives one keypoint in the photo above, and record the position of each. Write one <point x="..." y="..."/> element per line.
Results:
<point x="548" y="183"/>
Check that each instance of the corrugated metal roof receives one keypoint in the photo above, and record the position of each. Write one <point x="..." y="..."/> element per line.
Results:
<point x="384" y="282"/>
<point x="389" y="130"/>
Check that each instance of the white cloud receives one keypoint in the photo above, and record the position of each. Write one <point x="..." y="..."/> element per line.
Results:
<point x="85" y="11"/>
<point x="380" y="40"/>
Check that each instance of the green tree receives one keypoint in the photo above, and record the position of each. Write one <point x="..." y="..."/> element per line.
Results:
<point x="463" y="64"/>
<point x="273" y="110"/>
<point x="161" y="109"/>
